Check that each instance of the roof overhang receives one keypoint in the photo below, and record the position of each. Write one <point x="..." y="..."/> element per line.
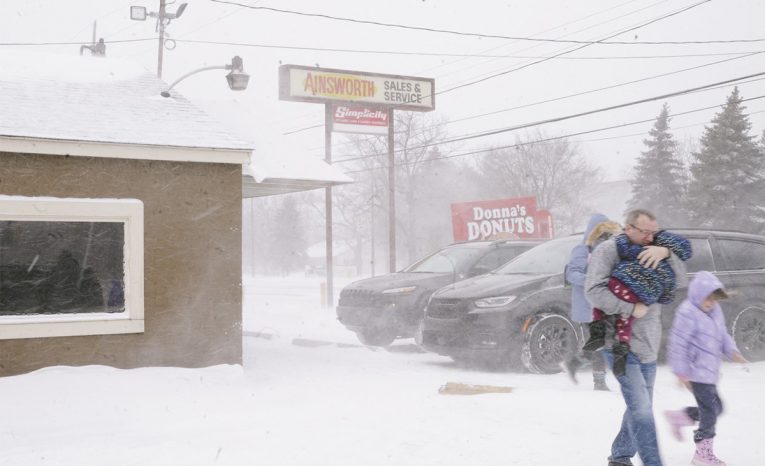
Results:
<point x="261" y="175"/>
<point x="270" y="175"/>
<point x="28" y="145"/>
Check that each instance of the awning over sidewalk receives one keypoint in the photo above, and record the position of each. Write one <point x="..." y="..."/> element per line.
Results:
<point x="268" y="175"/>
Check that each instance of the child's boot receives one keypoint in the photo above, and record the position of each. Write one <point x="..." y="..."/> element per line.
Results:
<point x="620" y="351"/>
<point x="705" y="455"/>
<point x="597" y="336"/>
<point x="677" y="420"/>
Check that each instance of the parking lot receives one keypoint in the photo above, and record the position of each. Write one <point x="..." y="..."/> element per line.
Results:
<point x="344" y="403"/>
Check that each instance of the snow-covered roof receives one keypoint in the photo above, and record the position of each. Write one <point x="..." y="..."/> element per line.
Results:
<point x="94" y="106"/>
<point x="267" y="175"/>
<point x="104" y="107"/>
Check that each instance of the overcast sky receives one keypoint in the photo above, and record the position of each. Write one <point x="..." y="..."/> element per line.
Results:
<point x="452" y="60"/>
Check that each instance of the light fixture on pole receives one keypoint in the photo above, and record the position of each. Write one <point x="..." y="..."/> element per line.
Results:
<point x="139" y="13"/>
<point x="237" y="79"/>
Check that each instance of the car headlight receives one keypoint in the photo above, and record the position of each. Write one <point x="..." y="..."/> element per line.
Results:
<point x="494" y="301"/>
<point x="402" y="290"/>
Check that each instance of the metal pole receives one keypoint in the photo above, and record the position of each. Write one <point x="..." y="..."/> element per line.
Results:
<point x="391" y="196"/>
<point x="252" y="235"/>
<point x="94" y="35"/>
<point x="372" y="227"/>
<point x="161" y="48"/>
<point x="328" y="203"/>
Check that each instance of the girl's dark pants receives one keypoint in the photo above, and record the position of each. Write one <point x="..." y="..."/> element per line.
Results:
<point x="709" y="407"/>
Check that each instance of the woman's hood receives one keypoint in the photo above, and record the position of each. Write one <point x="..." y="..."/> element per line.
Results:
<point x="594" y="220"/>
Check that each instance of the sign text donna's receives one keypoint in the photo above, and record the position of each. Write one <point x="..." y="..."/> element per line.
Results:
<point x="516" y="218"/>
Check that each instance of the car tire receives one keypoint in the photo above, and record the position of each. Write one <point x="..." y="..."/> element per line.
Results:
<point x="548" y="341"/>
<point x="373" y="336"/>
<point x="749" y="333"/>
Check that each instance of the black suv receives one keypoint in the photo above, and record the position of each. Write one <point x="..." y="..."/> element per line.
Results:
<point x="381" y="309"/>
<point x="520" y="311"/>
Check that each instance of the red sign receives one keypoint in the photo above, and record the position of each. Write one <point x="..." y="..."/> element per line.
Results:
<point x="501" y="219"/>
<point x="356" y="119"/>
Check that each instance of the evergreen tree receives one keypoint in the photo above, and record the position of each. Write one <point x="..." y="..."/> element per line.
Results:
<point x="726" y="187"/>
<point x="659" y="183"/>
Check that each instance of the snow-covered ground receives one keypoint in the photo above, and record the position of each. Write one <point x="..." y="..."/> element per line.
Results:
<point x="309" y="394"/>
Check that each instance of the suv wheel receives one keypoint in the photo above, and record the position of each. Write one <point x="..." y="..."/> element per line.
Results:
<point x="749" y="333"/>
<point x="373" y="336"/>
<point x="549" y="340"/>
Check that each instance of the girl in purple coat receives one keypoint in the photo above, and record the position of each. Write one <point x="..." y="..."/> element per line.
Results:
<point x="697" y="343"/>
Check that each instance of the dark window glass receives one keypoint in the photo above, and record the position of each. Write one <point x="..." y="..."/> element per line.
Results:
<point x="61" y="267"/>
<point x="495" y="259"/>
<point x="741" y="254"/>
<point x="547" y="258"/>
<point x="447" y="260"/>
<point x="702" y="256"/>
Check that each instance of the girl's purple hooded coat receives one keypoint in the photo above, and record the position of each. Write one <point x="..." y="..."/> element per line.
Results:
<point x="698" y="340"/>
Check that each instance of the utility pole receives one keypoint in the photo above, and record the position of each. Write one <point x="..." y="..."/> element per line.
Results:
<point x="328" y="206"/>
<point x="97" y="49"/>
<point x="391" y="196"/>
<point x="139" y="13"/>
<point x="161" y="48"/>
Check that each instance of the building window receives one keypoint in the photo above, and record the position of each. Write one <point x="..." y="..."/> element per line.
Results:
<point x="70" y="266"/>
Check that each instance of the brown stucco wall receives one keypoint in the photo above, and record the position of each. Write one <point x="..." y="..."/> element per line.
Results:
<point x="192" y="260"/>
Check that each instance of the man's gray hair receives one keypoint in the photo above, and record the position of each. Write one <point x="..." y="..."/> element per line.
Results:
<point x="633" y="215"/>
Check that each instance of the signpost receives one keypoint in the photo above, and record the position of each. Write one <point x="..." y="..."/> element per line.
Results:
<point x="357" y="102"/>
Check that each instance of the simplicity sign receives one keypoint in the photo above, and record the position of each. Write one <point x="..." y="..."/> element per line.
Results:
<point x="323" y="85"/>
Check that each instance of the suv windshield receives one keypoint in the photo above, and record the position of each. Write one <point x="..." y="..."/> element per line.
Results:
<point x="449" y="260"/>
<point x="546" y="259"/>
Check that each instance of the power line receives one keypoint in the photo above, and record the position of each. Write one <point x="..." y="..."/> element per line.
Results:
<point x="674" y="128"/>
<point x="552" y="138"/>
<point x="668" y="15"/>
<point x="676" y="12"/>
<point x="613" y="86"/>
<point x="454" y="54"/>
<point x="537" y="44"/>
<point x="568" y="96"/>
<point x="476" y="34"/>
<point x="571" y="116"/>
<point x="32" y="44"/>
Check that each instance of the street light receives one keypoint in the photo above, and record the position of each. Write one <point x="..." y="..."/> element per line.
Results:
<point x="237" y="79"/>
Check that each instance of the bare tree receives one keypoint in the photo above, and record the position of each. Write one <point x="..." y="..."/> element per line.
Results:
<point x="553" y="171"/>
<point x="416" y="145"/>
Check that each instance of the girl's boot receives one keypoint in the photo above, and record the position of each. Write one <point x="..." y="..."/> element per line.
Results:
<point x="705" y="455"/>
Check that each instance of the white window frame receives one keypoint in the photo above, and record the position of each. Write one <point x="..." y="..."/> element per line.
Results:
<point x="49" y="209"/>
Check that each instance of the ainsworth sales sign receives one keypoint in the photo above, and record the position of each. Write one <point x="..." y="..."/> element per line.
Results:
<point x="309" y="84"/>
<point x="516" y="218"/>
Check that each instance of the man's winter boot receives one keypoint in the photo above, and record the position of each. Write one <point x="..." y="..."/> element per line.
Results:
<point x="677" y="420"/>
<point x="599" y="382"/>
<point x="620" y="351"/>
<point x="597" y="336"/>
<point x="705" y="455"/>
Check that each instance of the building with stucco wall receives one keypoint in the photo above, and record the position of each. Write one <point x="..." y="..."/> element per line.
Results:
<point x="120" y="219"/>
